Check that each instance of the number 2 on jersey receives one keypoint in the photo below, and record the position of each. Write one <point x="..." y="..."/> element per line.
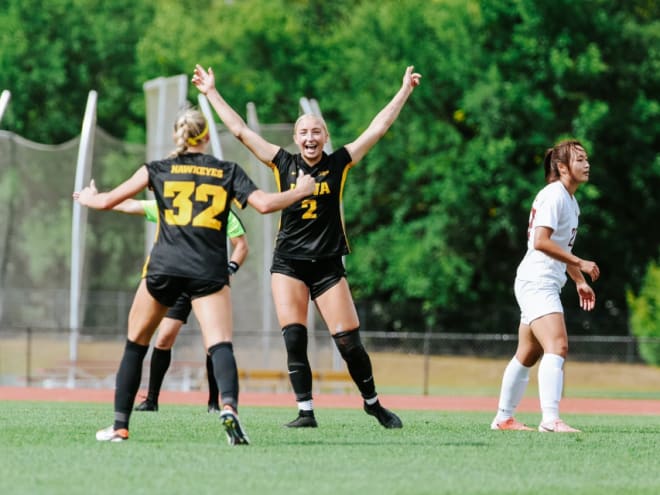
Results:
<point x="182" y="192"/>
<point x="310" y="206"/>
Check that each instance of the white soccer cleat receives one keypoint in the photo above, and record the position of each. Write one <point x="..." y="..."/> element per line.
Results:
<point x="109" y="434"/>
<point x="557" y="426"/>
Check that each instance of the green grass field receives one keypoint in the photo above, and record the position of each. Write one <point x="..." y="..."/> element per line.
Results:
<point x="49" y="448"/>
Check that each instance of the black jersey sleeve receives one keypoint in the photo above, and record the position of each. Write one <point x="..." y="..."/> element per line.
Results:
<point x="243" y="186"/>
<point x="342" y="157"/>
<point x="281" y="159"/>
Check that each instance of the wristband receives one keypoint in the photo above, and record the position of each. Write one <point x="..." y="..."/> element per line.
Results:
<point x="233" y="267"/>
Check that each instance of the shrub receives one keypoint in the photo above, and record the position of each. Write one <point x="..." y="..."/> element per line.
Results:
<point x="644" y="310"/>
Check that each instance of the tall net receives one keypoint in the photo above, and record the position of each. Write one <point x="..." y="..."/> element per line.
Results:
<point x="36" y="182"/>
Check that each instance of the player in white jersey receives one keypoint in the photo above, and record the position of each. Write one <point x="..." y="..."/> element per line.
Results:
<point x="553" y="224"/>
<point x="555" y="208"/>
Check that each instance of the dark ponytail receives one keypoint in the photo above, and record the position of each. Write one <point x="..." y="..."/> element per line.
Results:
<point x="551" y="170"/>
<point x="560" y="153"/>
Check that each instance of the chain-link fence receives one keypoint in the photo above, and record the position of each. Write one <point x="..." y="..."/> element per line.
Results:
<point x="37" y="356"/>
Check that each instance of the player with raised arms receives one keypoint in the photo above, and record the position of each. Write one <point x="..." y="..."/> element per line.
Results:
<point x="307" y="262"/>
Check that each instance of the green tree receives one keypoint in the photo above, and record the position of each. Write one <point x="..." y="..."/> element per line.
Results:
<point x="645" y="314"/>
<point x="449" y="188"/>
<point x="561" y="71"/>
<point x="437" y="211"/>
<point x="55" y="52"/>
<point x="400" y="208"/>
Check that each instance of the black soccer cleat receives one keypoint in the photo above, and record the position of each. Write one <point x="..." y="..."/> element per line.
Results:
<point x="214" y="408"/>
<point x="305" y="419"/>
<point x="146" y="405"/>
<point x="384" y="416"/>
<point x="235" y="434"/>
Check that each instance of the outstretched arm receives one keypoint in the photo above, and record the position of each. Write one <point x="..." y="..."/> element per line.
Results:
<point x="385" y="118"/>
<point x="265" y="202"/>
<point x="90" y="197"/>
<point x="130" y="206"/>
<point x="205" y="83"/>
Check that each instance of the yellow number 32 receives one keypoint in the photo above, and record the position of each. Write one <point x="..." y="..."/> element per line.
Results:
<point x="182" y="192"/>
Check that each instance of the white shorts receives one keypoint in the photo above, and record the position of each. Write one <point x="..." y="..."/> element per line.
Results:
<point x="537" y="299"/>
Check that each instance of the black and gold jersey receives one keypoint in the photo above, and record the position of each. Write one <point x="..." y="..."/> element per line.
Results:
<point x="194" y="192"/>
<point x="314" y="227"/>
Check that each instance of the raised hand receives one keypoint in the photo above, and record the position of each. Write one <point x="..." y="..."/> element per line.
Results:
<point x="411" y="79"/>
<point x="87" y="191"/>
<point x="203" y="80"/>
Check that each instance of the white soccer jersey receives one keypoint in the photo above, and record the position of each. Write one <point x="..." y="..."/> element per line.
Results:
<point x="556" y="208"/>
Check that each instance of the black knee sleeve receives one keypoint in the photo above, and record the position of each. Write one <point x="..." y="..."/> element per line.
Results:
<point x="225" y="372"/>
<point x="300" y="372"/>
<point x="357" y="360"/>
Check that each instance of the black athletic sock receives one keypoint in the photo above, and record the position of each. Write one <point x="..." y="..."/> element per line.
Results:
<point x="213" y="384"/>
<point x="300" y="372"/>
<point x="160" y="362"/>
<point x="357" y="360"/>
<point x="225" y="372"/>
<point x="127" y="382"/>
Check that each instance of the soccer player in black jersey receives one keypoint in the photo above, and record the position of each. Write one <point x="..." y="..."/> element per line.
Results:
<point x="193" y="191"/>
<point x="307" y="262"/>
<point x="177" y="315"/>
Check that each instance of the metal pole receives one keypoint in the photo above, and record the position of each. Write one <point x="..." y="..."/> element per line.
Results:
<point x="427" y="361"/>
<point x="266" y="300"/>
<point x="28" y="357"/>
<point x="216" y="147"/>
<point x="78" y="227"/>
<point x="4" y="101"/>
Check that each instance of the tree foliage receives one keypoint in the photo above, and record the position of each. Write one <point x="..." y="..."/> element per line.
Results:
<point x="53" y="53"/>
<point x="645" y="314"/>
<point x="437" y="211"/>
